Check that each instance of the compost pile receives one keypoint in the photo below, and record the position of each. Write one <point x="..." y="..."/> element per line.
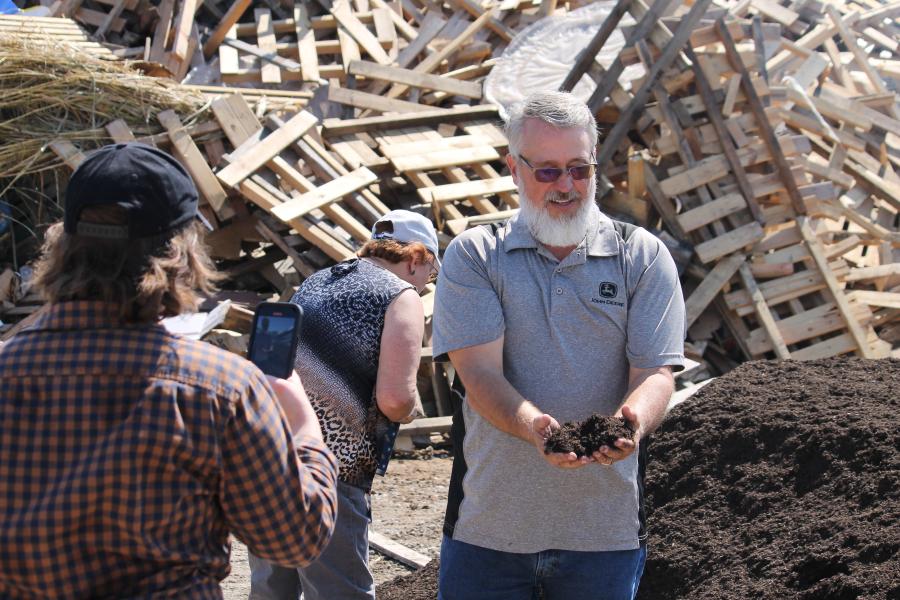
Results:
<point x="777" y="480"/>
<point x="421" y="585"/>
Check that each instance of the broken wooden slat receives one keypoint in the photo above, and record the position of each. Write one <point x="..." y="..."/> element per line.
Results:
<point x="716" y="167"/>
<point x="111" y="16"/>
<point x="261" y="152"/>
<point x="119" y="131"/>
<point x="258" y="194"/>
<point x="861" y="59"/>
<point x="432" y="62"/>
<point x="429" y="29"/>
<point x="67" y="151"/>
<point x="235" y="11"/>
<point x="818" y="255"/>
<point x="374" y="102"/>
<point x="443" y="158"/>
<point x="181" y="30"/>
<point x="397" y="551"/>
<point x="459" y="191"/>
<point x="265" y="36"/>
<point x="494" y="24"/>
<point x="815" y="322"/>
<point x="764" y="314"/>
<point x="873" y="298"/>
<point x="340" y="127"/>
<point x="190" y="156"/>
<point x="611" y="73"/>
<point x="712" y="211"/>
<point x="711" y="285"/>
<point x="166" y="11"/>
<point x="284" y="63"/>
<point x="868" y="273"/>
<point x="341" y="12"/>
<point x="325" y="194"/>
<point x="241" y="125"/>
<point x="670" y="51"/>
<point x="415" y="79"/>
<point x="426" y="425"/>
<point x="730" y="242"/>
<point x="306" y="44"/>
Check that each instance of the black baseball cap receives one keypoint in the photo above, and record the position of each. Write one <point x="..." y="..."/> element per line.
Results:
<point x="156" y="192"/>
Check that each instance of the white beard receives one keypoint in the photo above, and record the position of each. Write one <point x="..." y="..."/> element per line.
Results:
<point x="564" y="231"/>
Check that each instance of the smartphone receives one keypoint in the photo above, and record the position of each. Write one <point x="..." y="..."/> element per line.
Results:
<point x="274" y="336"/>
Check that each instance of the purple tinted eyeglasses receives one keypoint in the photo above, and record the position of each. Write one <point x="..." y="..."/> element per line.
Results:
<point x="551" y="174"/>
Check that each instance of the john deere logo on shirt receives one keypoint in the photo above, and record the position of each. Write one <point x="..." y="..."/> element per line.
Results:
<point x="608" y="289"/>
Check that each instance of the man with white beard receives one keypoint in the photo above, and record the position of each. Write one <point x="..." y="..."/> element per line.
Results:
<point x="559" y="314"/>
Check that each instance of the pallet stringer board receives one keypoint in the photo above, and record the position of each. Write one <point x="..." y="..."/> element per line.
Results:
<point x="818" y="255"/>
<point x="764" y="314"/>
<point x="756" y="106"/>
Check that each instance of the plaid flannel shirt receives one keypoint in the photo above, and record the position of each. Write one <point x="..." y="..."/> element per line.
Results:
<point x="128" y="454"/>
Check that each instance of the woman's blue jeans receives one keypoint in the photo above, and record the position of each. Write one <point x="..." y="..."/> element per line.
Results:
<point x="474" y="573"/>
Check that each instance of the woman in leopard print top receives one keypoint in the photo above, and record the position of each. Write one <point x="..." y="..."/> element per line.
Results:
<point x="358" y="356"/>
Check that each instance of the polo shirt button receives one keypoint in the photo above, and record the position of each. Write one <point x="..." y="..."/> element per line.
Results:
<point x="559" y="290"/>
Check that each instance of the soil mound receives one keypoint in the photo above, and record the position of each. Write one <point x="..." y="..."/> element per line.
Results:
<point x="779" y="480"/>
<point x="586" y="437"/>
<point x="420" y="585"/>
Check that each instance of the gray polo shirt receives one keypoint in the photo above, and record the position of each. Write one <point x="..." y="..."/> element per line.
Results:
<point x="571" y="330"/>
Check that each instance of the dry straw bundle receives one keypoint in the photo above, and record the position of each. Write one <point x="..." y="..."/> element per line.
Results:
<point x="51" y="90"/>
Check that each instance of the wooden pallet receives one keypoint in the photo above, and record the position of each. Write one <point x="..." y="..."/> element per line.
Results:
<point x="103" y="18"/>
<point x="726" y="175"/>
<point x="307" y="48"/>
<point x="463" y="162"/>
<point x="727" y="183"/>
<point x="259" y="171"/>
<point x="62" y="31"/>
<point x="807" y="314"/>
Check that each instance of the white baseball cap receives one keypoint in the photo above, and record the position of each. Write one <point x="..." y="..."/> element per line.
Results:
<point x="406" y="226"/>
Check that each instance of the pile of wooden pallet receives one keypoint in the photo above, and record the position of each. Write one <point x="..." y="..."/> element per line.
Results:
<point x="762" y="143"/>
<point x="770" y="143"/>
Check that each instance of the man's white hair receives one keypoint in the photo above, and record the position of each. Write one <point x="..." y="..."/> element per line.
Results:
<point x="559" y="109"/>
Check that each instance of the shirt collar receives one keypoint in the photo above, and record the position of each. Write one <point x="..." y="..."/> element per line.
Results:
<point x="600" y="241"/>
<point x="602" y="238"/>
<point x="82" y="314"/>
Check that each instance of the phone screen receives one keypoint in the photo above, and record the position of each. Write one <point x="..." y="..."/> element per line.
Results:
<point x="273" y="344"/>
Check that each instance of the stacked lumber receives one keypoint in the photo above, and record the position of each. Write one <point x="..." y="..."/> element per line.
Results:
<point x="761" y="144"/>
<point x="769" y="146"/>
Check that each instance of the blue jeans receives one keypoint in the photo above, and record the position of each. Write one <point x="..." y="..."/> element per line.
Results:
<point x="340" y="572"/>
<point x="474" y="573"/>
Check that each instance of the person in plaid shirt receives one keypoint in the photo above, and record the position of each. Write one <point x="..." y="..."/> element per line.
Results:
<point x="128" y="454"/>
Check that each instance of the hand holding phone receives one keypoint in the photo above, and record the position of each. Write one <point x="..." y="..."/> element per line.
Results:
<point x="274" y="336"/>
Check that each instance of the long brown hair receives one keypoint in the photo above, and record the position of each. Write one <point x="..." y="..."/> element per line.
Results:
<point x="147" y="279"/>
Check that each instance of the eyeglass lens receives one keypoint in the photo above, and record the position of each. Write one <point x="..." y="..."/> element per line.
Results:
<point x="551" y="174"/>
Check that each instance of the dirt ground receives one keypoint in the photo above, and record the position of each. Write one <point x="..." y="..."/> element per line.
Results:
<point x="407" y="506"/>
<point x="779" y="480"/>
